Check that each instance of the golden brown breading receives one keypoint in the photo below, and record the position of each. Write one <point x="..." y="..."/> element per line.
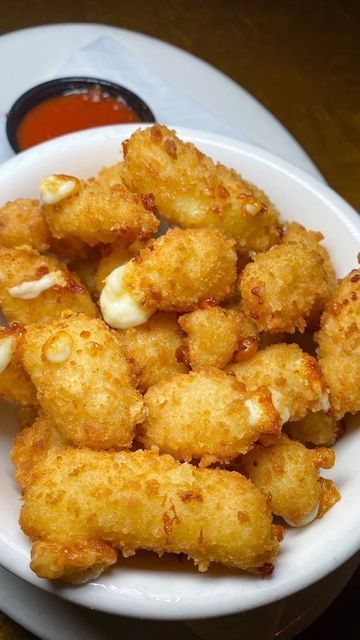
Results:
<point x="97" y="213"/>
<point x="282" y="287"/>
<point x="295" y="232"/>
<point x="86" y="269"/>
<point x="288" y="471"/>
<point x="32" y="444"/>
<point x="85" y="504"/>
<point x="152" y="349"/>
<point x="113" y="256"/>
<point x="214" y="335"/>
<point x="339" y="346"/>
<point x="36" y="288"/>
<point x="15" y="382"/>
<point x="184" y="268"/>
<point x="111" y="175"/>
<point x="192" y="191"/>
<point x="206" y="415"/>
<point x="293" y="377"/>
<point x="83" y="381"/>
<point x="318" y="429"/>
<point x="22" y="222"/>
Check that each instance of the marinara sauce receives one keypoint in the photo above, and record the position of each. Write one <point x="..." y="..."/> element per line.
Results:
<point x="71" y="112"/>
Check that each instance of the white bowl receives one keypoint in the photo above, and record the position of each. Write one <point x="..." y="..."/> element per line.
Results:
<point x="146" y="586"/>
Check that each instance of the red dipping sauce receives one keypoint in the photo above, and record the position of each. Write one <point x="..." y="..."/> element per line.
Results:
<point x="71" y="112"/>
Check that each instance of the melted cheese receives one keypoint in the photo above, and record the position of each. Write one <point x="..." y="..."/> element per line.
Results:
<point x="6" y="349"/>
<point x="55" y="188"/>
<point x="306" y="519"/>
<point x="31" y="289"/>
<point x="119" y="308"/>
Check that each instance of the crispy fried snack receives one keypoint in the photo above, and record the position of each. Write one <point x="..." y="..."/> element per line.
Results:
<point x="83" y="381"/>
<point x="214" y="335"/>
<point x="111" y="175"/>
<point x="113" y="256"/>
<point x="152" y="349"/>
<point x="31" y="446"/>
<point x="283" y="286"/>
<point x="289" y="472"/>
<point x="191" y="191"/>
<point x="295" y="232"/>
<point x="177" y="272"/>
<point x="86" y="268"/>
<point x="339" y="346"/>
<point x="319" y="429"/>
<point x="15" y="382"/>
<point x="206" y="415"/>
<point x="293" y="377"/>
<point x="36" y="288"/>
<point x="22" y="222"/>
<point x="85" y="504"/>
<point x="94" y="212"/>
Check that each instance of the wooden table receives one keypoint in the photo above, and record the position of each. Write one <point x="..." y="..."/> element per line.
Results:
<point x="300" y="58"/>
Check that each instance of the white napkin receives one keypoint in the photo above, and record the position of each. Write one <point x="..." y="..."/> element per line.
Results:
<point x="108" y="59"/>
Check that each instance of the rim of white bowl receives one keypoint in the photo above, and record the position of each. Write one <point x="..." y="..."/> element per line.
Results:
<point x="106" y="597"/>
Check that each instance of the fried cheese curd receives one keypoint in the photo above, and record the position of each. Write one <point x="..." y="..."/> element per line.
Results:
<point x="192" y="191"/>
<point x="288" y="471"/>
<point x="178" y="271"/>
<point x="94" y="212"/>
<point x="113" y="256"/>
<point x="152" y="348"/>
<point x="83" y="381"/>
<point x="38" y="288"/>
<point x="22" y="222"/>
<point x="214" y="336"/>
<point x="281" y="288"/>
<point x="85" y="504"/>
<point x="339" y="346"/>
<point x="293" y="377"/>
<point x="206" y="415"/>
<point x="31" y="446"/>
<point x="319" y="429"/>
<point x="15" y="382"/>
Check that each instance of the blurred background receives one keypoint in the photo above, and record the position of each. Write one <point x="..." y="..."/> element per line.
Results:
<point x="299" y="58"/>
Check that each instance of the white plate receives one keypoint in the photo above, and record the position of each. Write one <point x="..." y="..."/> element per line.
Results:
<point x="163" y="588"/>
<point x="52" y="45"/>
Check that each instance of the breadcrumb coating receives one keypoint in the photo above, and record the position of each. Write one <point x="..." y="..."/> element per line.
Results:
<point x="339" y="346"/>
<point x="319" y="429"/>
<point x="113" y="256"/>
<point x="214" y="335"/>
<point x="206" y="415"/>
<point x="83" y="381"/>
<point x="151" y="349"/>
<point x="183" y="269"/>
<point x="288" y="471"/>
<point x="97" y="213"/>
<point x="31" y="446"/>
<point x="293" y="377"/>
<point x="282" y="287"/>
<point x="21" y="268"/>
<point x="15" y="382"/>
<point x="111" y="175"/>
<point x="22" y="222"/>
<point x="295" y="232"/>
<point x="192" y="191"/>
<point x="84" y="504"/>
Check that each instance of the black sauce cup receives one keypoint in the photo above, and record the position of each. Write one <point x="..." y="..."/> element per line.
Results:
<point x="65" y="86"/>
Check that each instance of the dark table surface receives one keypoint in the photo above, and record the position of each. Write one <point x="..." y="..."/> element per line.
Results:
<point x="300" y="58"/>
